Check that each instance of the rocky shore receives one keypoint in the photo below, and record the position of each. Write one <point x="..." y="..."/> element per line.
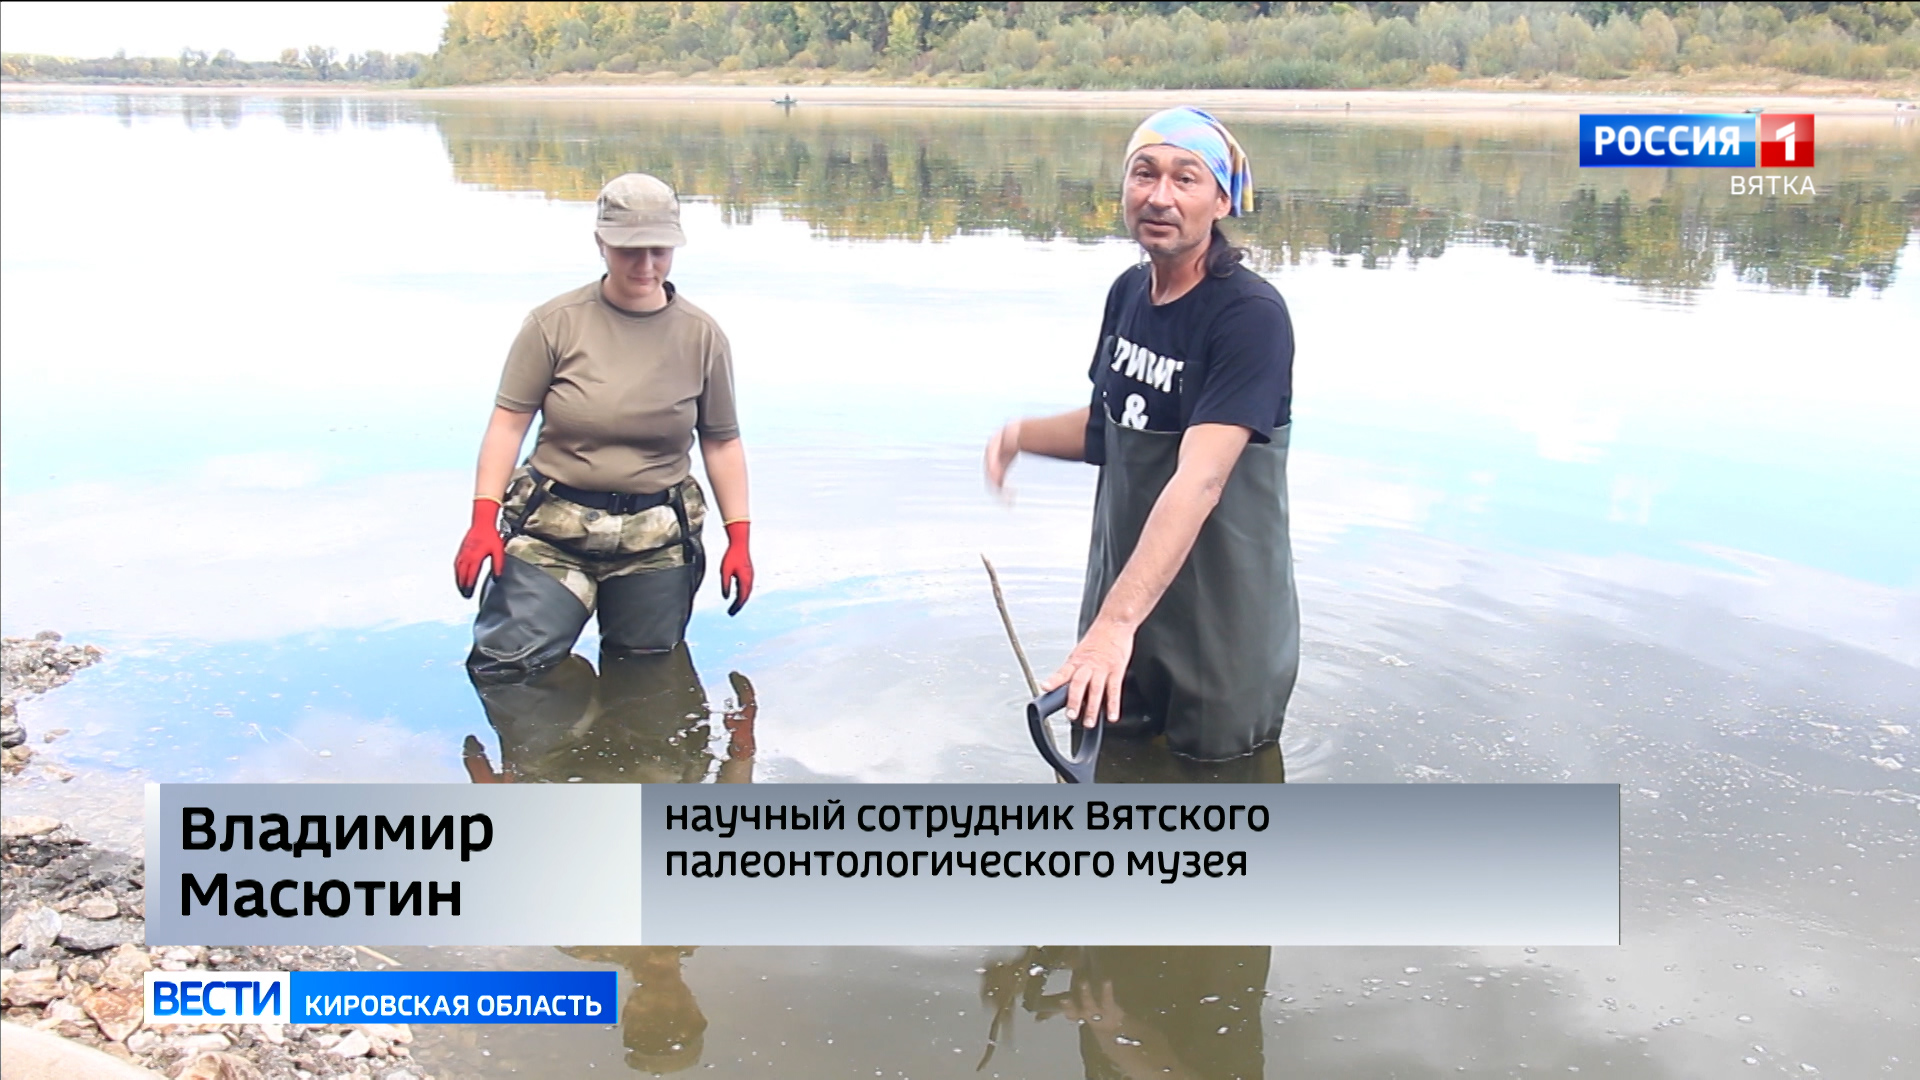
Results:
<point x="72" y="920"/>
<point x="30" y="666"/>
<point x="73" y="927"/>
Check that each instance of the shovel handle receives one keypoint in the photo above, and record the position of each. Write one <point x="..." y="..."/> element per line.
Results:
<point x="1077" y="769"/>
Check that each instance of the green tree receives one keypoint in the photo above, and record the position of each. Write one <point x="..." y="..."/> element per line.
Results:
<point x="1173" y="44"/>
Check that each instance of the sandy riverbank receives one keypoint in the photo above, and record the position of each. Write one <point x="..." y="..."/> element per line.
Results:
<point x="1861" y="100"/>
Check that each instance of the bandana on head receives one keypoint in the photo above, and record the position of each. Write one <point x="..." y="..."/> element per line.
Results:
<point x="1191" y="129"/>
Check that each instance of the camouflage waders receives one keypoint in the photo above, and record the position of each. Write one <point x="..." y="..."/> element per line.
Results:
<point x="566" y="561"/>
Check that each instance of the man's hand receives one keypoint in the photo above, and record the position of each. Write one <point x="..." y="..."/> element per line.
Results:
<point x="1093" y="672"/>
<point x="1002" y="448"/>
<point x="1062" y="436"/>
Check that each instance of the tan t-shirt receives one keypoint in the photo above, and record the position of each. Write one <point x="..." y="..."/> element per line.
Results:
<point x="620" y="394"/>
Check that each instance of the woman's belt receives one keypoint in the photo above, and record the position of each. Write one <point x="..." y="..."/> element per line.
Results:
<point x="612" y="502"/>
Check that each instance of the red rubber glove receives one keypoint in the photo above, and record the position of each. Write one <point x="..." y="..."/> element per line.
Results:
<point x="736" y="570"/>
<point x="739" y="717"/>
<point x="474" y="756"/>
<point x="481" y="543"/>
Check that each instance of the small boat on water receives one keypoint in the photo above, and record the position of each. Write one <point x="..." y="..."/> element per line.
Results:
<point x="786" y="102"/>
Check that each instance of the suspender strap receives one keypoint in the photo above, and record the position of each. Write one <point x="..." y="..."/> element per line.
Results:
<point x="692" y="552"/>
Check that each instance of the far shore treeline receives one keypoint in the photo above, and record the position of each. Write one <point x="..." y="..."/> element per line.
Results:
<point x="1096" y="45"/>
<point x="315" y="63"/>
<point x="1212" y="45"/>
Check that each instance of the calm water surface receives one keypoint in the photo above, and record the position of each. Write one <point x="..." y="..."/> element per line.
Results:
<point x="1606" y="478"/>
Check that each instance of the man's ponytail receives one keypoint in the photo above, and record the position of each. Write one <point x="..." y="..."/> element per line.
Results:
<point x="1222" y="256"/>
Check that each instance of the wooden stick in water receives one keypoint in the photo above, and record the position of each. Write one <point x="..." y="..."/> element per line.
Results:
<point x="1006" y="620"/>
<point x="380" y="956"/>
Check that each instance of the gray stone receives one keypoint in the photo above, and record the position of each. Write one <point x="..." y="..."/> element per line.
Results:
<point x="24" y="825"/>
<point x="219" y="1066"/>
<point x="142" y="1041"/>
<point x="88" y="870"/>
<point x="393" y="1033"/>
<point x="28" y="959"/>
<point x="127" y="968"/>
<point x="40" y="1055"/>
<point x="101" y="936"/>
<point x="66" y="1009"/>
<point x="35" y="986"/>
<point x="33" y="927"/>
<point x="356" y="1044"/>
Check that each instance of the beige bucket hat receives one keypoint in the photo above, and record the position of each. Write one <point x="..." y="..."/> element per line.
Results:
<point x="638" y="211"/>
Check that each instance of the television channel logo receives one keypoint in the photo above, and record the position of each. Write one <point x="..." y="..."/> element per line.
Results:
<point x="224" y="997"/>
<point x="1696" y="141"/>
<point x="1786" y="141"/>
<point x="386" y="997"/>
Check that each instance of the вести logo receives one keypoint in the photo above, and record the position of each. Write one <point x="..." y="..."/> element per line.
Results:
<point x="204" y="997"/>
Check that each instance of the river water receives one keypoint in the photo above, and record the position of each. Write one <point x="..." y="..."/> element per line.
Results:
<point x="1603" y="477"/>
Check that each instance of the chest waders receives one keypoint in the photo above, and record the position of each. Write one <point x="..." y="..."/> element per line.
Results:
<point x="1214" y="664"/>
<point x="529" y="620"/>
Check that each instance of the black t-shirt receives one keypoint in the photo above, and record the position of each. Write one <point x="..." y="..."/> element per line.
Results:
<point x="1221" y="354"/>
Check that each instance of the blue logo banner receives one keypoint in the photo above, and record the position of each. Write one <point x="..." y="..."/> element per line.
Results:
<point x="1668" y="141"/>
<point x="455" y="997"/>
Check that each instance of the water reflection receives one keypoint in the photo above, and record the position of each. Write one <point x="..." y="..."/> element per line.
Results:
<point x="1374" y="195"/>
<point x="1142" y="1010"/>
<point x="640" y="719"/>
<point x="661" y="1024"/>
<point x="1139" y="760"/>
<point x="205" y="111"/>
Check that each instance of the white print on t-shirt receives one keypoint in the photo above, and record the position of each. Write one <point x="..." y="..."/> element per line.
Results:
<point x="1135" y="415"/>
<point x="1145" y="365"/>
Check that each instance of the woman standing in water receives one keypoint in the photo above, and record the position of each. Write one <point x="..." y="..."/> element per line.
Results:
<point x="606" y="515"/>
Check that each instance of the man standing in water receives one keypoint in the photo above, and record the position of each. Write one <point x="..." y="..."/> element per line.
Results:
<point x="1189" y="617"/>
